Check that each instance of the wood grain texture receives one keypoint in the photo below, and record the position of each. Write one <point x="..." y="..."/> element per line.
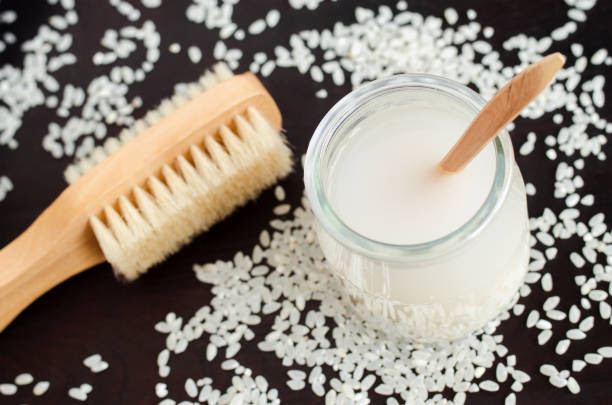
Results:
<point x="501" y="110"/>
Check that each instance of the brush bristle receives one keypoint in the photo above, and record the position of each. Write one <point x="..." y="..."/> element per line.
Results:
<point x="209" y="79"/>
<point x="190" y="196"/>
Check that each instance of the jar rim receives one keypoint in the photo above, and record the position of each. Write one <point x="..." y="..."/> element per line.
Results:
<point x="328" y="128"/>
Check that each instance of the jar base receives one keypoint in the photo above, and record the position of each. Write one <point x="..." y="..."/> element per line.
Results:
<point x="433" y="322"/>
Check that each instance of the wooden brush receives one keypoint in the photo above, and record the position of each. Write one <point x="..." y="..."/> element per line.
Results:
<point x="192" y="163"/>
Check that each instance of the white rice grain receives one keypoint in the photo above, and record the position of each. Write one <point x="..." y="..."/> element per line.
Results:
<point x="268" y="68"/>
<point x="532" y="318"/>
<point x="232" y="350"/>
<point x="296" y="385"/>
<point x="211" y="351"/>
<point x="577" y="260"/>
<point x="598" y="295"/>
<point x="587" y="324"/>
<point x="578" y="365"/>
<point x="548" y="370"/>
<point x="257" y="27"/>
<point x="272" y="18"/>
<point x="605" y="311"/>
<point x="501" y="373"/>
<point x="24" y="379"/>
<point x="321" y="93"/>
<point x="195" y="54"/>
<point x="316" y="74"/>
<point x="562" y="346"/>
<point x="488" y="385"/>
<point x="574" y="314"/>
<point x="572" y="385"/>
<point x="544" y="337"/>
<point x="296" y="374"/>
<point x="547" y="283"/>
<point x="282" y="209"/>
<point x="557" y="381"/>
<point x="383" y="389"/>
<point x="593" y="358"/>
<point x="451" y="16"/>
<point x="605" y="351"/>
<point x="556" y="315"/>
<point x="8" y="389"/>
<point x="575" y="334"/>
<point x="599" y="56"/>
<point x="551" y="303"/>
<point x="191" y="388"/>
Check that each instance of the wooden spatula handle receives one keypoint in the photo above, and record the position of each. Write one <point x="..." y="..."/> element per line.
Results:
<point x="501" y="110"/>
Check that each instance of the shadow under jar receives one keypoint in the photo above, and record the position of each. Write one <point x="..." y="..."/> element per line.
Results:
<point x="426" y="286"/>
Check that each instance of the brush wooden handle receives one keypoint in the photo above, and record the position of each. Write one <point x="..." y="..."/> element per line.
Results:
<point x="55" y="247"/>
<point x="504" y="107"/>
<point x="60" y="243"/>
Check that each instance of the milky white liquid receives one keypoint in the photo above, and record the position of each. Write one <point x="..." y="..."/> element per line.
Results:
<point x="380" y="180"/>
<point x="384" y="183"/>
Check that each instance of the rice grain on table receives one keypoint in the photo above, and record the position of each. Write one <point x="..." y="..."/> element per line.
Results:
<point x="573" y="386"/>
<point x="532" y="318"/>
<point x="282" y="209"/>
<point x="272" y="18"/>
<point x="161" y="390"/>
<point x="598" y="295"/>
<point x="599" y="56"/>
<point x="257" y="27"/>
<point x="605" y="351"/>
<point x="296" y="374"/>
<point x="191" y="388"/>
<point x="578" y="365"/>
<point x="8" y="389"/>
<point x="593" y="358"/>
<point x="605" y="311"/>
<point x="544" y="336"/>
<point x="548" y="370"/>
<point x="451" y="16"/>
<point x="195" y="54"/>
<point x="575" y="334"/>
<point x="40" y="388"/>
<point x="587" y="324"/>
<point x="530" y="189"/>
<point x="556" y="315"/>
<point x="321" y="93"/>
<point x="518" y="309"/>
<point x="557" y="381"/>
<point x="296" y="385"/>
<point x="24" y="379"/>
<point x="585" y="303"/>
<point x="551" y="303"/>
<point x="547" y="284"/>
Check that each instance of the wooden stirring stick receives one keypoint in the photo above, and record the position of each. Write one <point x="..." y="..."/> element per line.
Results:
<point x="501" y="110"/>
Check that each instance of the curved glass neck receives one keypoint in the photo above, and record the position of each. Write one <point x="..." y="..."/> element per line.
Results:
<point x="360" y="104"/>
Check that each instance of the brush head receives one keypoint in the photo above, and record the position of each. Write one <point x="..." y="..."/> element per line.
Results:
<point x="222" y="168"/>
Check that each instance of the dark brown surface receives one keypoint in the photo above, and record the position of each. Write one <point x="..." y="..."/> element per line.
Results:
<point x="93" y="313"/>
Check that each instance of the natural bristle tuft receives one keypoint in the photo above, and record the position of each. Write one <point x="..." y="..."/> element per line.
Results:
<point x="200" y="189"/>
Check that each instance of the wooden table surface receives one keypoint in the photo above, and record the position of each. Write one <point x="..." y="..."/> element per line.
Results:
<point x="93" y="313"/>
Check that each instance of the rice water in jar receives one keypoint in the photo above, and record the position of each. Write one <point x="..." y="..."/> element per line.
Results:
<point x="434" y="256"/>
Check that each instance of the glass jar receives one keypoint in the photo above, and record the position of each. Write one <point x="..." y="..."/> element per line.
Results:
<point x="435" y="291"/>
